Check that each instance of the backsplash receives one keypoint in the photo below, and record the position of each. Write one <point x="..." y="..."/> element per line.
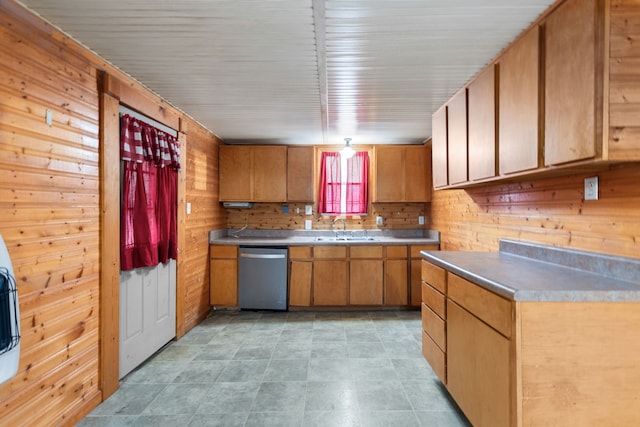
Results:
<point x="270" y="216"/>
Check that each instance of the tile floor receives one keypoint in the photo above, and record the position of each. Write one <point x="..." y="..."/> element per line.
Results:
<point x="286" y="369"/>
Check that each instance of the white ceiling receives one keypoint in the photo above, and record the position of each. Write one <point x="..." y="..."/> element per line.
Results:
<point x="299" y="71"/>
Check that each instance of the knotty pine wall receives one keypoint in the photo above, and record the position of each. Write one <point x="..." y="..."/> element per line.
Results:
<point x="49" y="217"/>
<point x="548" y="211"/>
<point x="270" y="216"/>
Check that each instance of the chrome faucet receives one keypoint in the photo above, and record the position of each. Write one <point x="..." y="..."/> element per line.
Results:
<point x="344" y="226"/>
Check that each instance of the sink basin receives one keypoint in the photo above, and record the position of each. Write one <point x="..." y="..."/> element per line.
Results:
<point x="345" y="239"/>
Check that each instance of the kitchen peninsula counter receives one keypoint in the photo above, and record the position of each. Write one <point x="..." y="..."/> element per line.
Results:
<point x="534" y="335"/>
<point x="529" y="272"/>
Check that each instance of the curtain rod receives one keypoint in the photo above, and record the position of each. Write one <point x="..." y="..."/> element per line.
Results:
<point x="125" y="110"/>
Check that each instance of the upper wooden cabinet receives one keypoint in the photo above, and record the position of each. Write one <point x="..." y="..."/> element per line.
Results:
<point x="457" y="138"/>
<point x="519" y="136"/>
<point x="482" y="125"/>
<point x="439" y="160"/>
<point x="253" y="173"/>
<point x="567" y="97"/>
<point x="300" y="174"/>
<point x="570" y="83"/>
<point x="402" y="173"/>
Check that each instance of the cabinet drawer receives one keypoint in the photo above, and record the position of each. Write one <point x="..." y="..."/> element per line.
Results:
<point x="434" y="327"/>
<point x="435" y="276"/>
<point x="492" y="309"/>
<point x="224" y="251"/>
<point x="300" y="252"/>
<point x="366" y="252"/>
<point x="416" y="249"/>
<point x="397" y="252"/>
<point x="435" y="357"/>
<point x="335" y="252"/>
<point x="434" y="300"/>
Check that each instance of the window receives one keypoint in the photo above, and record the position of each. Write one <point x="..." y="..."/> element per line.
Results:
<point x="344" y="184"/>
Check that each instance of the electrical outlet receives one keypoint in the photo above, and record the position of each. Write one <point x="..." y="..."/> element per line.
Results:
<point x="308" y="210"/>
<point x="421" y="220"/>
<point x="188" y="208"/>
<point x="307" y="224"/>
<point x="379" y="221"/>
<point x="591" y="188"/>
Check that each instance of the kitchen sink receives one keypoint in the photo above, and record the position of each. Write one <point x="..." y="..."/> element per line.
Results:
<point x="345" y="239"/>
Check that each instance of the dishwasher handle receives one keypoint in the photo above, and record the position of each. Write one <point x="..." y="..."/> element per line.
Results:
<point x="263" y="256"/>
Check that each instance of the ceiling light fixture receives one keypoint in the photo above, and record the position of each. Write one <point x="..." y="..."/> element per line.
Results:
<point x="347" y="152"/>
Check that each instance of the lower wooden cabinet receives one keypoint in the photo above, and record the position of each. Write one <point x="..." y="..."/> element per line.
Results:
<point x="416" y="272"/>
<point x="330" y="282"/>
<point x="531" y="363"/>
<point x="223" y="276"/>
<point x="300" y="275"/>
<point x="478" y="369"/>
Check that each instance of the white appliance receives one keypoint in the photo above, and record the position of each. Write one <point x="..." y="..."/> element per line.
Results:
<point x="9" y="318"/>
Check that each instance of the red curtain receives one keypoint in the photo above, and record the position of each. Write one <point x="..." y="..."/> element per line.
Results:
<point x="356" y="185"/>
<point x="329" y="198"/>
<point x="151" y="161"/>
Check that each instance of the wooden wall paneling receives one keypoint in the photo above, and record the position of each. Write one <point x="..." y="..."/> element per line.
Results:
<point x="549" y="211"/>
<point x="624" y="87"/>
<point x="181" y="284"/>
<point x="49" y="197"/>
<point x="269" y="216"/>
<point x="518" y="122"/>
<point x="201" y="174"/>
<point x="53" y="194"/>
<point x="109" y="244"/>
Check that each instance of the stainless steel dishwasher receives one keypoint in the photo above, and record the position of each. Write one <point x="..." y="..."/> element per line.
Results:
<point x="262" y="278"/>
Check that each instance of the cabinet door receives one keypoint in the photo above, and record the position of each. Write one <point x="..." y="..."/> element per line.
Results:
<point x="329" y="282"/>
<point x="457" y="134"/>
<point x="365" y="282"/>
<point x="439" y="162"/>
<point x="478" y="369"/>
<point x="223" y="282"/>
<point x="300" y="180"/>
<point x="235" y="180"/>
<point x="482" y="125"/>
<point x="570" y="89"/>
<point x="300" y="283"/>
<point x="519" y="106"/>
<point x="396" y="291"/>
<point x="389" y="174"/>
<point x="416" y="282"/>
<point x="417" y="174"/>
<point x="269" y="178"/>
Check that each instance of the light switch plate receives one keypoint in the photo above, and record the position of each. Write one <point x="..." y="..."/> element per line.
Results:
<point x="188" y="208"/>
<point x="308" y="210"/>
<point x="591" y="188"/>
<point x="379" y="221"/>
<point x="307" y="224"/>
<point x="421" y="220"/>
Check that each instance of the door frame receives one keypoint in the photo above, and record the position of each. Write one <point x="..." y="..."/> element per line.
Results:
<point x="112" y="92"/>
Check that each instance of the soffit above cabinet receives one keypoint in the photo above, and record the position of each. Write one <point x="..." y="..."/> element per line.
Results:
<point x="299" y="71"/>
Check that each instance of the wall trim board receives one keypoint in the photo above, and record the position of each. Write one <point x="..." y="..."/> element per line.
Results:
<point x="109" y="244"/>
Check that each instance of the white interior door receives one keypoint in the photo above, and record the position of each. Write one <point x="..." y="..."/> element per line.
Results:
<point x="147" y="313"/>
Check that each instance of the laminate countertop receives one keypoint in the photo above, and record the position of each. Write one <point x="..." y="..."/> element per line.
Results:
<point x="314" y="238"/>
<point x="523" y="271"/>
